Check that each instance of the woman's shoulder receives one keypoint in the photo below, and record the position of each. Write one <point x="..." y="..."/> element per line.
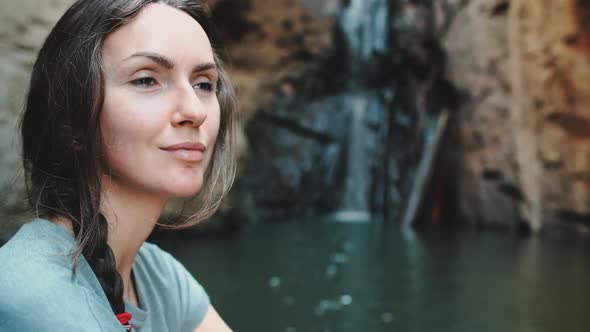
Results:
<point x="166" y="281"/>
<point x="36" y="261"/>
<point x="157" y="262"/>
<point x="37" y="250"/>
<point x="151" y="251"/>
<point x="38" y="286"/>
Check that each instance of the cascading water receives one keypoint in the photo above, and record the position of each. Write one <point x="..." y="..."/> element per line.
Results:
<point x="364" y="26"/>
<point x="354" y="204"/>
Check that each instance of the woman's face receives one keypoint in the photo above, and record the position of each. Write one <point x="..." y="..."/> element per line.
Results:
<point x="160" y="116"/>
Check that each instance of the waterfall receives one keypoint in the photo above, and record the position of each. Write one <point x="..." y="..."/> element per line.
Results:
<point x="354" y="206"/>
<point x="327" y="146"/>
<point x="364" y="24"/>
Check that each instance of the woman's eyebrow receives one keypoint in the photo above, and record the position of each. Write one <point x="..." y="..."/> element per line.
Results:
<point x="168" y="63"/>
<point x="204" y="67"/>
<point x="155" y="57"/>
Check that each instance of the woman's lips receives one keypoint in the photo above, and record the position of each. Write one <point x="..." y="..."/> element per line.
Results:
<point x="188" y="151"/>
<point x="188" y="155"/>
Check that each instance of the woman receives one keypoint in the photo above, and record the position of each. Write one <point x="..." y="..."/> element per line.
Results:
<point x="128" y="106"/>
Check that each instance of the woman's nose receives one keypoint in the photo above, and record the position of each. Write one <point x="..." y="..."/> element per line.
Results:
<point x="189" y="110"/>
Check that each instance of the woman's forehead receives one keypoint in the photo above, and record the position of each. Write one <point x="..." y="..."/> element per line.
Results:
<point x="161" y="29"/>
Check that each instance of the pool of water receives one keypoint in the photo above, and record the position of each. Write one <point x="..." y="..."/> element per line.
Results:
<point x="316" y="276"/>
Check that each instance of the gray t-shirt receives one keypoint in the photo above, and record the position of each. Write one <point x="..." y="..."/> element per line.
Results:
<point x="38" y="291"/>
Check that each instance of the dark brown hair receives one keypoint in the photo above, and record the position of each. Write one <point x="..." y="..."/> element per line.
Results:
<point x="61" y="139"/>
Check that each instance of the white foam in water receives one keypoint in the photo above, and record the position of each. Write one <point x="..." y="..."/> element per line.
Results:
<point x="351" y="217"/>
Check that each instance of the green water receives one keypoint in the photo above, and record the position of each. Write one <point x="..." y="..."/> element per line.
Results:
<point x="299" y="277"/>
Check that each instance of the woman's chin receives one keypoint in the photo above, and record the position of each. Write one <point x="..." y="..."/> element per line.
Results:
<point x="175" y="185"/>
<point x="186" y="194"/>
<point x="185" y="189"/>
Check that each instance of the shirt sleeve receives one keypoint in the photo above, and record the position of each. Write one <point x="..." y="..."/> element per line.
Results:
<point x="194" y="301"/>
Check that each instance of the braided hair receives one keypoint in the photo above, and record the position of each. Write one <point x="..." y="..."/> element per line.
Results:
<point x="61" y="139"/>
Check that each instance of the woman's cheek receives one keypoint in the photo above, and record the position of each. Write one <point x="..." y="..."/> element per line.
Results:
<point x="124" y="135"/>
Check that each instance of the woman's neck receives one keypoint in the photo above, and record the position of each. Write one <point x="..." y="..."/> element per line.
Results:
<point x="132" y="215"/>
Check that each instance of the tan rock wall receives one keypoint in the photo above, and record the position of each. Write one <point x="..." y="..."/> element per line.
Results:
<point x="550" y="51"/>
<point x="284" y="38"/>
<point x="478" y="65"/>
<point x="524" y="131"/>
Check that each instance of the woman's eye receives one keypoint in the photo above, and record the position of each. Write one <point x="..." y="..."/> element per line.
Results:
<point x="144" y="82"/>
<point x="204" y="86"/>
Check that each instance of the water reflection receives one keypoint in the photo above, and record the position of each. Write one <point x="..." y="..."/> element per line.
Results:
<point x="314" y="276"/>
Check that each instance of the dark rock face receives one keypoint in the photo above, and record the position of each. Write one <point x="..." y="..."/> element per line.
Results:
<point x="314" y="158"/>
<point x="343" y="136"/>
<point x="296" y="158"/>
